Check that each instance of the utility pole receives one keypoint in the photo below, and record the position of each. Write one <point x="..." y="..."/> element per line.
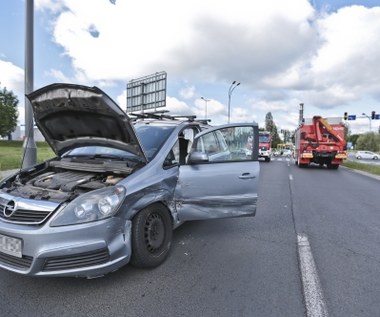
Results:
<point x="370" y="121"/>
<point x="206" y="101"/>
<point x="230" y="90"/>
<point x="29" y="145"/>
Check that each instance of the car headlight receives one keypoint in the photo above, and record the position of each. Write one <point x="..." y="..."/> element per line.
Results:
<point x="96" y="205"/>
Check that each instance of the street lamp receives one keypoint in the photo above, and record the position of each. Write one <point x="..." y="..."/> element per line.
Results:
<point x="369" y="118"/>
<point x="29" y="145"/>
<point x="206" y="101"/>
<point x="230" y="90"/>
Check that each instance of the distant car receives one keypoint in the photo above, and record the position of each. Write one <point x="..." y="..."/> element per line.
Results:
<point x="287" y="153"/>
<point x="118" y="185"/>
<point x="366" y="155"/>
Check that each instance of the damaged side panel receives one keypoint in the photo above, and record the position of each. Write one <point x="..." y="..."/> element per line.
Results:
<point x="220" y="190"/>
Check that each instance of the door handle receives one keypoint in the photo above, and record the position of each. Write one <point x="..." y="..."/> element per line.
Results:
<point x="247" y="176"/>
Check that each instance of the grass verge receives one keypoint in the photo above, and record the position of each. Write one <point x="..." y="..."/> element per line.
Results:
<point x="369" y="168"/>
<point x="11" y="154"/>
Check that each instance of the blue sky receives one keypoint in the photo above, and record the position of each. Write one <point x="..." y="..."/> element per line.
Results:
<point x="324" y="54"/>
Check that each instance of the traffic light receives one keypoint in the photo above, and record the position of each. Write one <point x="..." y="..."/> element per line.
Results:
<point x="345" y="116"/>
<point x="373" y="115"/>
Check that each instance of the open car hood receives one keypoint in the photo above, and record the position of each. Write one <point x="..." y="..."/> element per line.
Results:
<point x="70" y="116"/>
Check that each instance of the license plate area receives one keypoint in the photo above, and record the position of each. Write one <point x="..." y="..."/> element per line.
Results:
<point x="11" y="246"/>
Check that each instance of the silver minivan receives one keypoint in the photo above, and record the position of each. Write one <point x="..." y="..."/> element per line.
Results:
<point x="118" y="185"/>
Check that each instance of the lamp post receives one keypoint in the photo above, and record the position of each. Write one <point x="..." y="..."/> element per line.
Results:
<point x="230" y="90"/>
<point x="206" y="101"/>
<point x="369" y="118"/>
<point x="29" y="145"/>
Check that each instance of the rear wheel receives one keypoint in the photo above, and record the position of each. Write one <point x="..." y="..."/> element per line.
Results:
<point x="152" y="232"/>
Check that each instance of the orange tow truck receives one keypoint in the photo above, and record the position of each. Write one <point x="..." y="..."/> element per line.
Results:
<point x="321" y="141"/>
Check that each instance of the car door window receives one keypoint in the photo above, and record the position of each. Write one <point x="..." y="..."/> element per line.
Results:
<point x="181" y="149"/>
<point x="228" y="144"/>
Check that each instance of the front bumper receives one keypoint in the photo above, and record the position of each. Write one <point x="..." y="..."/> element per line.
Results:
<point x="264" y="154"/>
<point x="85" y="250"/>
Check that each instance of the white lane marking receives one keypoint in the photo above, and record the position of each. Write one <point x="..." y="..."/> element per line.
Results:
<point x="314" y="300"/>
<point x="290" y="177"/>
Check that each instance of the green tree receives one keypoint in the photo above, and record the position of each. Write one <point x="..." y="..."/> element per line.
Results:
<point x="353" y="138"/>
<point x="8" y="112"/>
<point x="271" y="127"/>
<point x="369" y="141"/>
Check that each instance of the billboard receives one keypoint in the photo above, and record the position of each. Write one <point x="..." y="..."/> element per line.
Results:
<point x="148" y="92"/>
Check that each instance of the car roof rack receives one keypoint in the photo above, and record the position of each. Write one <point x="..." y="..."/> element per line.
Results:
<point x="161" y="115"/>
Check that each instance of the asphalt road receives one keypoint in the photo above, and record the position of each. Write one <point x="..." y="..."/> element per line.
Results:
<point x="241" y="266"/>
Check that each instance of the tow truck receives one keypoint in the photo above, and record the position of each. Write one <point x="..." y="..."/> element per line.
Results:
<point x="321" y="141"/>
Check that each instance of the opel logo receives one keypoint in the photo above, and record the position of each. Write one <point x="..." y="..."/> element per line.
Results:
<point x="10" y="208"/>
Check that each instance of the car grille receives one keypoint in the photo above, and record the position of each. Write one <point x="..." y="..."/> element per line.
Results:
<point x="19" y="263"/>
<point x="77" y="260"/>
<point x="24" y="216"/>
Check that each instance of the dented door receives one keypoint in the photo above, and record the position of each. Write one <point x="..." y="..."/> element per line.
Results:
<point x="221" y="176"/>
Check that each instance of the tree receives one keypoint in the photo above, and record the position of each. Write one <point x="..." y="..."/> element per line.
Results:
<point x="8" y="112"/>
<point x="369" y="141"/>
<point x="271" y="127"/>
<point x="353" y="138"/>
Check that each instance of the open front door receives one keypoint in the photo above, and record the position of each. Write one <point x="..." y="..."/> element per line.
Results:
<point x="221" y="176"/>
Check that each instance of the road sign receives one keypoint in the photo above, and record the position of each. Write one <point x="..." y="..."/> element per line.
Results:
<point x="147" y="92"/>
<point x="352" y="117"/>
<point x="377" y="117"/>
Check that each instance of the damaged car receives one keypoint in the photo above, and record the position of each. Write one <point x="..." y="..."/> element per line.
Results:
<point x="118" y="185"/>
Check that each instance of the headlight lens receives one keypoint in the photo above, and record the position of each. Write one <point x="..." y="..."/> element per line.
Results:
<point x="92" y="206"/>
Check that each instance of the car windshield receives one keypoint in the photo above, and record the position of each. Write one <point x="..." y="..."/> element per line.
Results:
<point x="264" y="138"/>
<point x="152" y="137"/>
<point x="101" y="152"/>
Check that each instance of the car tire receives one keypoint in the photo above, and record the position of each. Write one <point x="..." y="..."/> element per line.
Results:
<point x="358" y="157"/>
<point x="375" y="157"/>
<point x="152" y="232"/>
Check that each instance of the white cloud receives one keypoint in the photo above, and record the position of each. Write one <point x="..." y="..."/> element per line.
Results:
<point x="187" y="92"/>
<point x="284" y="53"/>
<point x="347" y="65"/>
<point x="12" y="77"/>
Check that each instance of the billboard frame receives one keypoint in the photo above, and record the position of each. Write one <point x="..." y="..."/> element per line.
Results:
<point x="146" y="93"/>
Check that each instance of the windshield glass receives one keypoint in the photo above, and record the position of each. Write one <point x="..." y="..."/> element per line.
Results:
<point x="264" y="138"/>
<point x="101" y="152"/>
<point x="152" y="137"/>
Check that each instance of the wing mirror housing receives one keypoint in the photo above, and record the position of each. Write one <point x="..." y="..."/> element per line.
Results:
<point x="198" y="157"/>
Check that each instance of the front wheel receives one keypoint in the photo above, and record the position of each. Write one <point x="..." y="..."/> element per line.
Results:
<point x="152" y="232"/>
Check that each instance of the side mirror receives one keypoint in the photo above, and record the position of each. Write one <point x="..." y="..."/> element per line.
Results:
<point x="197" y="157"/>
